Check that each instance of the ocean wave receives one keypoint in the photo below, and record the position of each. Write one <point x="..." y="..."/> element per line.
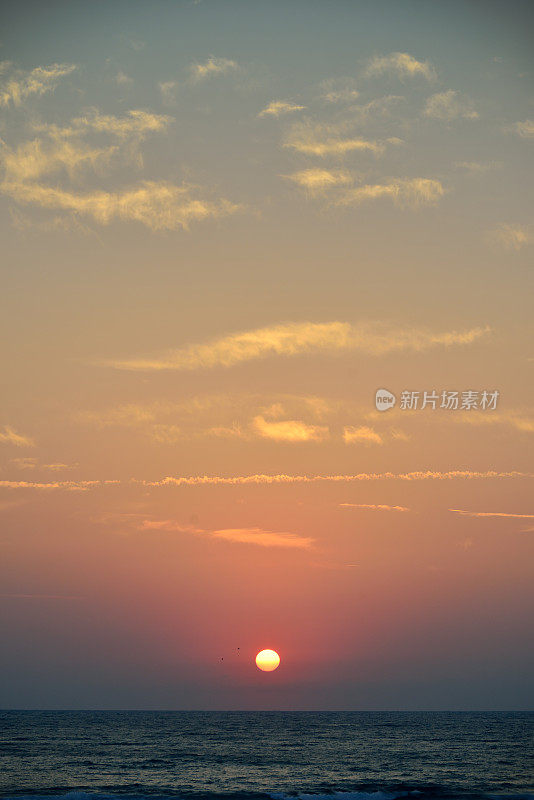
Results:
<point x="146" y="793"/>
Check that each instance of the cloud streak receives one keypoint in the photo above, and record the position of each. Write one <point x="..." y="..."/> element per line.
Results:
<point x="279" y="107"/>
<point x="255" y="536"/>
<point x="449" y="105"/>
<point x="373" y="507"/>
<point x="293" y="339"/>
<point x="290" y="430"/>
<point x="481" y="514"/>
<point x="211" y="68"/>
<point x="262" y="479"/>
<point x="409" y="192"/>
<point x="22" y="84"/>
<point x="8" y="435"/>
<point x="159" y="205"/>
<point x="363" y="434"/>
<point x="403" y="65"/>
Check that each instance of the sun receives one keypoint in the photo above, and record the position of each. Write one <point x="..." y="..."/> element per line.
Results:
<point x="267" y="660"/>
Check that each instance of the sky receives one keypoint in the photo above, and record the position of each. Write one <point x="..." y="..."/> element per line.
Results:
<point x="225" y="226"/>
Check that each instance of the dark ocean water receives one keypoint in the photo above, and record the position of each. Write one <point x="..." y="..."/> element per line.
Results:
<point x="265" y="755"/>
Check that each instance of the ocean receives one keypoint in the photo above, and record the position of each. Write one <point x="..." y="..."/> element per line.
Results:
<point x="102" y="755"/>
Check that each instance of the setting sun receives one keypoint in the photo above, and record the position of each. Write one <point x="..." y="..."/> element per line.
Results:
<point x="267" y="660"/>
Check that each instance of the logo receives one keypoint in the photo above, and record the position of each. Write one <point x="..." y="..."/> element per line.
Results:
<point x="384" y="400"/>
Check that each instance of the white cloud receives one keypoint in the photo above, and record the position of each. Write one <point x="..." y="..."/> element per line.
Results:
<point x="290" y="430"/>
<point x="363" y="434"/>
<point x="525" y="129"/>
<point x="21" y="84"/>
<point x="327" y="140"/>
<point x="511" y="237"/>
<point x="316" y="179"/>
<point x="373" y="507"/>
<point x="8" y="435"/>
<point x="212" y="67"/>
<point x="409" y="192"/>
<point x="449" y="105"/>
<point x="279" y="107"/>
<point x="402" y="64"/>
<point x="159" y="205"/>
<point x="292" y="339"/>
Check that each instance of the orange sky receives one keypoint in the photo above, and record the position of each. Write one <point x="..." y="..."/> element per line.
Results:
<point x="220" y="239"/>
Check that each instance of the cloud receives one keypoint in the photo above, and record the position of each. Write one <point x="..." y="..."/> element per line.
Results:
<point x="477" y="166"/>
<point x="325" y="140"/>
<point x="511" y="237"/>
<point x="263" y="538"/>
<point x="212" y="67"/>
<point x="75" y="486"/>
<point x="361" y="434"/>
<point x="490" y="514"/>
<point x="524" y="129"/>
<point x="168" y="91"/>
<point x="159" y="205"/>
<point x="167" y="434"/>
<point x="122" y="79"/>
<point x="279" y="107"/>
<point x="292" y="339"/>
<point x="402" y="64"/>
<point x="373" y="507"/>
<point x="33" y="463"/>
<point x="32" y="160"/>
<point x="262" y="479"/>
<point x="256" y="536"/>
<point x="135" y="123"/>
<point x="316" y="180"/>
<point x="22" y="84"/>
<point x="9" y="436"/>
<point x="449" y="105"/>
<point x="410" y="192"/>
<point x="339" y="90"/>
<point x="290" y="430"/>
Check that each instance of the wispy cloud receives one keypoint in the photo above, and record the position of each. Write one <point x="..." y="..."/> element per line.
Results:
<point x="262" y="479"/>
<point x="490" y="514"/>
<point x="8" y="435"/>
<point x="402" y="64"/>
<point x="168" y="91"/>
<point x="263" y="538"/>
<point x="409" y="192"/>
<point x="450" y="105"/>
<point x="363" y="434"/>
<point x="159" y="205"/>
<point x="524" y="129"/>
<point x="244" y="480"/>
<point x="135" y="123"/>
<point x="212" y="67"/>
<point x="34" y="463"/>
<point x="297" y="338"/>
<point x="477" y="166"/>
<point x="290" y="430"/>
<point x="316" y="179"/>
<point x="320" y="140"/>
<point x="339" y="90"/>
<point x="255" y="536"/>
<point x="19" y="84"/>
<point x="373" y="507"/>
<point x="511" y="237"/>
<point x="279" y="107"/>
